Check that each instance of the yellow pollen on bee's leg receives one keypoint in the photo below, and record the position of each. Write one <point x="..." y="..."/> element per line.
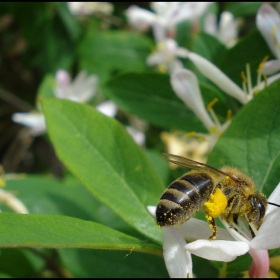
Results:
<point x="216" y="205"/>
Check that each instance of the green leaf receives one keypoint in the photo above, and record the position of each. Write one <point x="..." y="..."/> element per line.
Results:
<point x="94" y="263"/>
<point x="150" y="97"/>
<point x="54" y="231"/>
<point x="252" y="141"/>
<point x="234" y="61"/>
<point x="209" y="47"/>
<point x="46" y="88"/>
<point x="108" y="53"/>
<point x="101" y="154"/>
<point x="241" y="9"/>
<point x="43" y="195"/>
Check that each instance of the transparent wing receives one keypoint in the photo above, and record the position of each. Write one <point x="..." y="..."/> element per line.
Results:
<point x="191" y="164"/>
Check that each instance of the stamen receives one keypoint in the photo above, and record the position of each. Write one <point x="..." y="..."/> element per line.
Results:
<point x="262" y="64"/>
<point x="2" y="177"/>
<point x="248" y="71"/>
<point x="229" y="115"/>
<point x="212" y="113"/>
<point x="244" y="82"/>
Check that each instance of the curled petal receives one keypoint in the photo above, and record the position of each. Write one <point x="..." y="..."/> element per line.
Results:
<point x="271" y="67"/>
<point x="177" y="261"/>
<point x="108" y="108"/>
<point x="218" y="250"/>
<point x="185" y="85"/>
<point x="214" y="74"/>
<point x="268" y="21"/>
<point x="260" y="265"/>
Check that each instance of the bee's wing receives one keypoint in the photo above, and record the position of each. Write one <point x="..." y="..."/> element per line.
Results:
<point x="191" y="164"/>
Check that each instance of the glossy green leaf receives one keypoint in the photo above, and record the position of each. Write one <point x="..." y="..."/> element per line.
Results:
<point x="106" y="160"/>
<point x="209" y="47"/>
<point x="241" y="9"/>
<point x="94" y="263"/>
<point x="252" y="141"/>
<point x="108" y="53"/>
<point x="43" y="195"/>
<point x="150" y="97"/>
<point x="54" y="231"/>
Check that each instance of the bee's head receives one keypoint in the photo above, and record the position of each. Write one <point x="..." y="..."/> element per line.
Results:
<point x="256" y="208"/>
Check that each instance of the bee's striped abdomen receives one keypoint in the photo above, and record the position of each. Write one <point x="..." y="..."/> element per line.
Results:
<point x="183" y="198"/>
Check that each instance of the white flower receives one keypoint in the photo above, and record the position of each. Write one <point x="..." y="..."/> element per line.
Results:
<point x="166" y="15"/>
<point x="88" y="8"/>
<point x="268" y="23"/>
<point x="81" y="89"/>
<point x="227" y="29"/>
<point x="165" y="56"/>
<point x="34" y="120"/>
<point x="229" y="244"/>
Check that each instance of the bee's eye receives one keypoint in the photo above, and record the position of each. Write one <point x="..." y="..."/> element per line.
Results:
<point x="257" y="204"/>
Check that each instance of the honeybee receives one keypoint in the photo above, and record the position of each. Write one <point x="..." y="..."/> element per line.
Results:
<point x="186" y="195"/>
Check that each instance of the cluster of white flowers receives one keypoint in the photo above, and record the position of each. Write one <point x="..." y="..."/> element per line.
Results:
<point x="167" y="57"/>
<point x="229" y="244"/>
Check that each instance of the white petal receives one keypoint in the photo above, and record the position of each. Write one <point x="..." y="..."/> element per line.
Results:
<point x="214" y="74"/>
<point x="274" y="198"/>
<point x="268" y="234"/>
<point x="35" y="121"/>
<point x="210" y="24"/>
<point x="218" y="250"/>
<point x="177" y="261"/>
<point x="227" y="28"/>
<point x="269" y="81"/>
<point x="13" y="202"/>
<point x="152" y="210"/>
<point x="138" y="16"/>
<point x="138" y="136"/>
<point x="188" y="11"/>
<point x="62" y="83"/>
<point x="270" y="67"/>
<point x="267" y="20"/>
<point x="185" y="85"/>
<point x="197" y="229"/>
<point x="108" y="108"/>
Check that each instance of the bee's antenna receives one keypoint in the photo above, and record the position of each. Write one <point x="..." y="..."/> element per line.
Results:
<point x="271" y="203"/>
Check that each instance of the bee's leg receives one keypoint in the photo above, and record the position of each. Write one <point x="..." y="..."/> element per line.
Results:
<point x="213" y="227"/>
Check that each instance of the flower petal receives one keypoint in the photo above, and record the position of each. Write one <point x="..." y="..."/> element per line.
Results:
<point x="185" y="85"/>
<point x="268" y="234"/>
<point x="268" y="21"/>
<point x="108" y="108"/>
<point x="214" y="74"/>
<point x="197" y="229"/>
<point x="270" y="67"/>
<point x="177" y="261"/>
<point x="36" y="121"/>
<point x="260" y="265"/>
<point x="139" y="18"/>
<point x="152" y="210"/>
<point x="218" y="250"/>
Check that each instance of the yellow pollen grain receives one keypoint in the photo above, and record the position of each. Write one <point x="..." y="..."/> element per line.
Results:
<point x="211" y="104"/>
<point x="216" y="205"/>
